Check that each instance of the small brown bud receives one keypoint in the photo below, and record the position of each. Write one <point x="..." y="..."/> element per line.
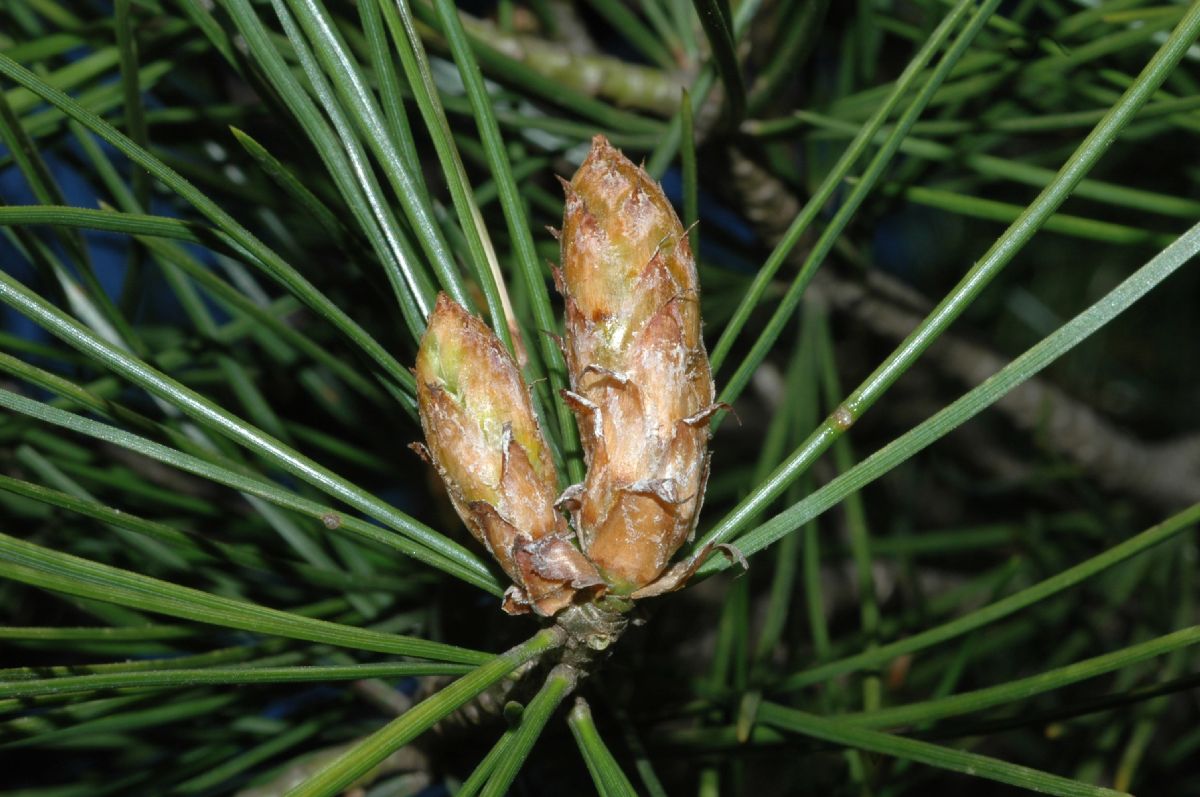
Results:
<point x="641" y="382"/>
<point x="483" y="437"/>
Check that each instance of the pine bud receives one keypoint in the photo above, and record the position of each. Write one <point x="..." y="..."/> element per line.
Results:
<point x="641" y="384"/>
<point x="483" y="437"/>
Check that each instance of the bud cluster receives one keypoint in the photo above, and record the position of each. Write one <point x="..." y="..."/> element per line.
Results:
<point x="641" y="389"/>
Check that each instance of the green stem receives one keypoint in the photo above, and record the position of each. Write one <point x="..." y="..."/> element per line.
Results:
<point x="979" y="618"/>
<point x="1024" y="688"/>
<point x="375" y="748"/>
<point x="559" y="684"/>
<point x="606" y="773"/>
<point x="923" y="752"/>
<point x="171" y="679"/>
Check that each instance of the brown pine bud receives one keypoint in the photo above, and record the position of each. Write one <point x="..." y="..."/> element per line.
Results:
<point x="641" y="383"/>
<point x="483" y="437"/>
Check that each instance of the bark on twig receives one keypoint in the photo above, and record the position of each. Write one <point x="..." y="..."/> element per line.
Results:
<point x="1164" y="474"/>
<point x="627" y="85"/>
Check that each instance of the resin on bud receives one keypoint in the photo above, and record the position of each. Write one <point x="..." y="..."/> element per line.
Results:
<point x="484" y="440"/>
<point x="641" y="385"/>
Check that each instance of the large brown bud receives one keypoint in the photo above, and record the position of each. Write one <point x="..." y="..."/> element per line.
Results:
<point x="483" y="437"/>
<point x="641" y="384"/>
